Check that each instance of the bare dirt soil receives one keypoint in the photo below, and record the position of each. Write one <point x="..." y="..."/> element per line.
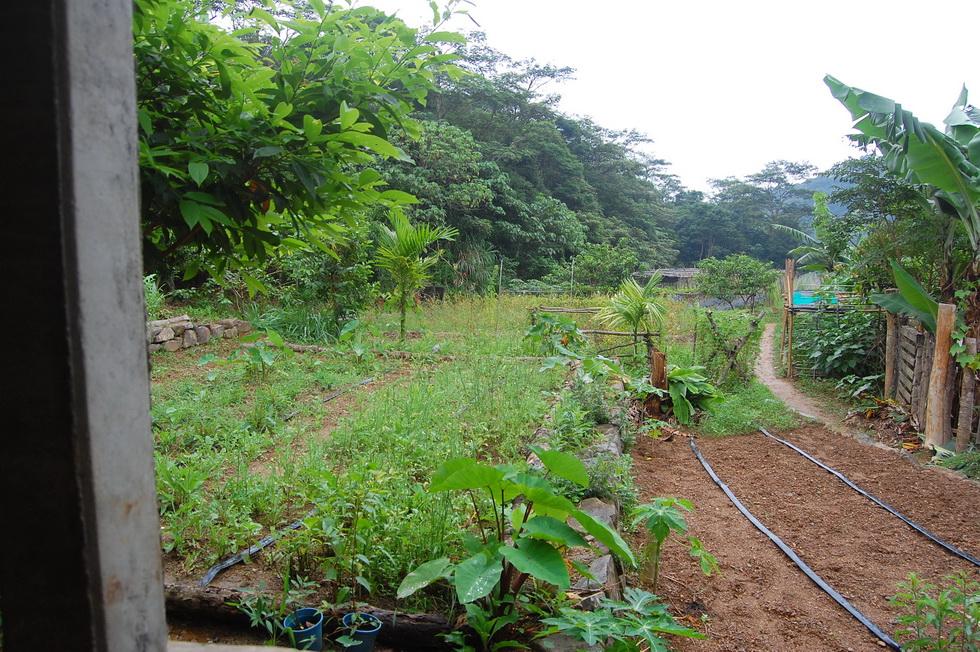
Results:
<point x="761" y="601"/>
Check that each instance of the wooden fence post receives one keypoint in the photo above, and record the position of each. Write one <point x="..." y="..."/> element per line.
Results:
<point x="891" y="354"/>
<point x="937" y="410"/>
<point x="964" y="426"/>
<point x="788" y="314"/>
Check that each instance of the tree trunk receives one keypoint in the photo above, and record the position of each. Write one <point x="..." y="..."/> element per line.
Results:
<point x="964" y="427"/>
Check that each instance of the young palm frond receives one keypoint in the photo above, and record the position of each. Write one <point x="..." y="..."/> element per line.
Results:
<point x="400" y="251"/>
<point x="634" y="307"/>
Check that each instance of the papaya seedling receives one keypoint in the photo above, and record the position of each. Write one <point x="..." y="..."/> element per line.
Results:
<point x="660" y="518"/>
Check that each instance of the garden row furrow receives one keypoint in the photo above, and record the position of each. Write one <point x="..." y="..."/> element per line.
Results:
<point x="861" y="550"/>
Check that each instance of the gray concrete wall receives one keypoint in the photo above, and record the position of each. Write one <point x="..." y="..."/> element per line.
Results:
<point x="80" y="556"/>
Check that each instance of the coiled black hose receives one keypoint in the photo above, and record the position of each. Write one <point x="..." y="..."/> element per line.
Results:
<point x="829" y="590"/>
<point x="912" y="524"/>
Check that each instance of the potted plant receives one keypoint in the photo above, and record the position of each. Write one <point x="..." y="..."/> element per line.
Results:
<point x="362" y="631"/>
<point x="358" y="630"/>
<point x="305" y="629"/>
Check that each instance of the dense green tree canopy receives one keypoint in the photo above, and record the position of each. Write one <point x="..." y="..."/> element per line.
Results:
<point x="249" y="146"/>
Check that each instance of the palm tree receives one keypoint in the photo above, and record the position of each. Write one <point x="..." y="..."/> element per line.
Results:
<point x="400" y="251"/>
<point x="634" y="307"/>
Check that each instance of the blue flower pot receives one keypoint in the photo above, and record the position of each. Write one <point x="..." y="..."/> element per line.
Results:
<point x="365" y="634"/>
<point x="307" y="629"/>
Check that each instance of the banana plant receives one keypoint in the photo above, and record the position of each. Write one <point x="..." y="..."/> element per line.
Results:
<point x="912" y="299"/>
<point x="524" y="528"/>
<point x="945" y="165"/>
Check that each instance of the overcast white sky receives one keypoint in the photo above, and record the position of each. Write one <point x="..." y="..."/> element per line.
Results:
<point x="723" y="87"/>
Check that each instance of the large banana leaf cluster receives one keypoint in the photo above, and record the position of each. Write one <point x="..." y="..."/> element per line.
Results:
<point x="526" y="529"/>
<point x="944" y="163"/>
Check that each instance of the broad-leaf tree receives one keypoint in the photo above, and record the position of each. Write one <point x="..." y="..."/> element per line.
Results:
<point x="738" y="280"/>
<point x="250" y="146"/>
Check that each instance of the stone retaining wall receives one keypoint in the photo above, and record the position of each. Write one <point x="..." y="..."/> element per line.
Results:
<point x="182" y="333"/>
<point x="609" y="577"/>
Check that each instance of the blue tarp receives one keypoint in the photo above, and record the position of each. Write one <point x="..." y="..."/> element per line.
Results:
<point x="807" y="298"/>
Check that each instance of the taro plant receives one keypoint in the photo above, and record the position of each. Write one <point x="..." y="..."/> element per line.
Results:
<point x="689" y="391"/>
<point x="352" y="335"/>
<point x="660" y="518"/>
<point x="522" y="530"/>
<point x="638" y="620"/>
<point x="939" y="619"/>
<point x="260" y="357"/>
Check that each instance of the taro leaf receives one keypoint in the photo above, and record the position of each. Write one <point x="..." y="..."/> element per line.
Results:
<point x="682" y="406"/>
<point x="604" y="534"/>
<point x="464" y="473"/>
<point x="547" y="503"/>
<point x="476" y="577"/>
<point x="277" y="340"/>
<point x="564" y="465"/>
<point x="423" y="576"/>
<point x="540" y="560"/>
<point x="551" y="529"/>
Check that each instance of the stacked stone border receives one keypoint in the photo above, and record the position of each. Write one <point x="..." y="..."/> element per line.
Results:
<point x="181" y="333"/>
<point x="603" y="566"/>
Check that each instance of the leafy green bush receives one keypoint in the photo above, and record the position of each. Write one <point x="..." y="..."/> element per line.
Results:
<point x="343" y="284"/>
<point x="637" y="620"/>
<point x="938" y="618"/>
<point x="738" y="280"/>
<point x="155" y="299"/>
<point x="713" y="344"/>
<point x="840" y="345"/>
<point x="522" y="532"/>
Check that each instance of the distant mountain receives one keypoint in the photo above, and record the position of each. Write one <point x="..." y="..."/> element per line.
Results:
<point x="827" y="185"/>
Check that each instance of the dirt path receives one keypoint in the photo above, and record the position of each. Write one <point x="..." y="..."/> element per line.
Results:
<point x="761" y="601"/>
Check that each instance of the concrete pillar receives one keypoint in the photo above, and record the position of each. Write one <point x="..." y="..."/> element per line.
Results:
<point x="80" y="552"/>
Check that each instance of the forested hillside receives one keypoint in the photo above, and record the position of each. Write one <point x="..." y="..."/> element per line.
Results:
<point x="273" y="147"/>
<point x="521" y="180"/>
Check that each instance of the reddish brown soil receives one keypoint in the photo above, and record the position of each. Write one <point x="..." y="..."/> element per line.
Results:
<point x="761" y="601"/>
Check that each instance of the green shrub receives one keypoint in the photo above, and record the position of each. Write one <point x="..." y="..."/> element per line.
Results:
<point x="844" y="345"/>
<point x="937" y="618"/>
<point x="738" y="280"/>
<point x="155" y="299"/>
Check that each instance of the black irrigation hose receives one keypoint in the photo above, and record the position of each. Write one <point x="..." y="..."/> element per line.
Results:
<point x="915" y="526"/>
<point x="343" y="391"/>
<point x="238" y="558"/>
<point x="885" y="638"/>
